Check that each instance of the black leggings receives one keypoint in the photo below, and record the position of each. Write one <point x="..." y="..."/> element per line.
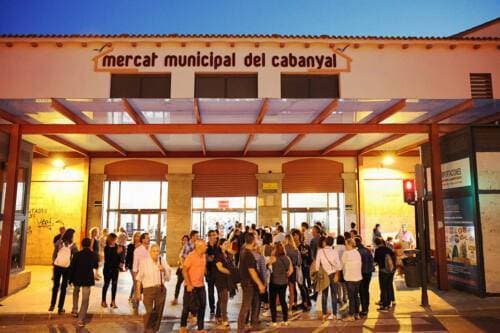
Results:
<point x="278" y="290"/>
<point x="110" y="276"/>
<point x="180" y="279"/>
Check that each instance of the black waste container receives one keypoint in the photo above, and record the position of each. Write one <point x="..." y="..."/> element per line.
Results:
<point x="412" y="271"/>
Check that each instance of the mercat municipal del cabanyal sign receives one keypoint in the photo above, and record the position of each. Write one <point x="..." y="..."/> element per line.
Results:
<point x="128" y="59"/>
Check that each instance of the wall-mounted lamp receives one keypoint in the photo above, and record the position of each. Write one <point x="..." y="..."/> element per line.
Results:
<point x="388" y="160"/>
<point x="58" y="164"/>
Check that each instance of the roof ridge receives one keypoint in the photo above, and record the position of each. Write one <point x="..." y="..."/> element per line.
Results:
<point x="272" y="35"/>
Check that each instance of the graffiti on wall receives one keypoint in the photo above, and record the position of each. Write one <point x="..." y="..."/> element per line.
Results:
<point x="41" y="219"/>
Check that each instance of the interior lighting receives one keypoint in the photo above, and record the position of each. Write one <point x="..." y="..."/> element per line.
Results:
<point x="58" y="164"/>
<point x="388" y="160"/>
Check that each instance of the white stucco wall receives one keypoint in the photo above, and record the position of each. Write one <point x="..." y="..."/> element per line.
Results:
<point x="391" y="72"/>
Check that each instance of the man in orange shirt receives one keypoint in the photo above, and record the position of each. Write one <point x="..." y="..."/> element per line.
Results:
<point x="193" y="270"/>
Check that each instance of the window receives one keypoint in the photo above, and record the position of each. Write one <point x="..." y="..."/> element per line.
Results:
<point x="140" y="86"/>
<point x="136" y="206"/>
<point x="480" y="85"/>
<point x="309" y="86"/>
<point x="226" y="86"/>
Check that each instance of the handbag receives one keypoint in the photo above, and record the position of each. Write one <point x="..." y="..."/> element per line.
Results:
<point x="334" y="277"/>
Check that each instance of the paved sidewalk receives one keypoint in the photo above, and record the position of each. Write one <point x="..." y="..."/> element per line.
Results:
<point x="26" y="311"/>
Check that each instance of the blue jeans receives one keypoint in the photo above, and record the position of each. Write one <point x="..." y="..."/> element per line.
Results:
<point x="334" y="294"/>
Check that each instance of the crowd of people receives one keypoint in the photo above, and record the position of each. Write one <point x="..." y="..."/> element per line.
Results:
<point x="273" y="270"/>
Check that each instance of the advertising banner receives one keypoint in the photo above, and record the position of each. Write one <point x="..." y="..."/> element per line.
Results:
<point x="460" y="231"/>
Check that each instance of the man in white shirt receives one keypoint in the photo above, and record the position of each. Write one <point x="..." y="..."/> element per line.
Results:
<point x="406" y="238"/>
<point x="280" y="234"/>
<point x="153" y="271"/>
<point x="140" y="253"/>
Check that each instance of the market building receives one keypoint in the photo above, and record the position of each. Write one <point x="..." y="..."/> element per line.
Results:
<point x="168" y="133"/>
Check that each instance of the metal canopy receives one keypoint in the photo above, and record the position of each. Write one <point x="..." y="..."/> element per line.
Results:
<point x="237" y="127"/>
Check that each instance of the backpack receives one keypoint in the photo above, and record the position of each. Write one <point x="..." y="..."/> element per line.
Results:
<point x="63" y="258"/>
<point x="389" y="264"/>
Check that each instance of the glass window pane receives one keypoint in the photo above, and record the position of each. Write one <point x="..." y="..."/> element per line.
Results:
<point x="224" y="202"/>
<point x="197" y="203"/>
<point x="342" y="212"/>
<point x="333" y="221"/>
<point x="251" y="202"/>
<point x="163" y="231"/>
<point x="251" y="217"/>
<point x="124" y="85"/>
<point x="284" y="202"/>
<point x="307" y="200"/>
<point x="332" y="200"/>
<point x="21" y="187"/>
<point x="284" y="219"/>
<point x="130" y="222"/>
<point x="112" y="224"/>
<point x="210" y="87"/>
<point x="155" y="86"/>
<point x="242" y="86"/>
<point x="17" y="245"/>
<point x="196" y="221"/>
<point x="324" y="86"/>
<point x="164" y="195"/>
<point x="136" y="195"/>
<point x="149" y="224"/>
<point x="115" y="194"/>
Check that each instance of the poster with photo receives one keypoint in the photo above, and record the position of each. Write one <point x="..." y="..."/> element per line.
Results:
<point x="461" y="242"/>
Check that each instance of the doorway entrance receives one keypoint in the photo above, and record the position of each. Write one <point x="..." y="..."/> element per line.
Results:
<point x="154" y="222"/>
<point x="327" y="208"/>
<point x="227" y="211"/>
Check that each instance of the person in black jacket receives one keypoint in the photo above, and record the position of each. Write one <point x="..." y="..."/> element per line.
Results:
<point x="367" y="269"/>
<point x="129" y="260"/>
<point x="82" y="277"/>
<point x="384" y="255"/>
<point x="112" y="257"/>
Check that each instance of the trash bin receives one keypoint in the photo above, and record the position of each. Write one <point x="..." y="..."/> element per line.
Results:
<point x="412" y="272"/>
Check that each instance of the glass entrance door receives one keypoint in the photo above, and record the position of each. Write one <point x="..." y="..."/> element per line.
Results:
<point x="153" y="223"/>
<point x="297" y="216"/>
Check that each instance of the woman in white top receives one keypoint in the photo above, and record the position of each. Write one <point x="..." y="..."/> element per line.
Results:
<point x="152" y="274"/>
<point x="328" y="258"/>
<point x="340" y="247"/>
<point x="351" y="262"/>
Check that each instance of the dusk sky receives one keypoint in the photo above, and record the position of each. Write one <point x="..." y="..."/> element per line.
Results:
<point x="355" y="17"/>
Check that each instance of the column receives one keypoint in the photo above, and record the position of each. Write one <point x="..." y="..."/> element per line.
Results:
<point x="351" y="201"/>
<point x="437" y="208"/>
<point x="269" y="198"/>
<point x="178" y="212"/>
<point x="10" y="208"/>
<point x="95" y="201"/>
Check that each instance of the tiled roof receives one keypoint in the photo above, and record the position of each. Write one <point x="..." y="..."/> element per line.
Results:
<point x="246" y="36"/>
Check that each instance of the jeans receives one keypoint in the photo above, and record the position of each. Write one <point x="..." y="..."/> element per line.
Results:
<point x="277" y="290"/>
<point x="85" y="301"/>
<point x="154" y="302"/>
<point x="201" y="296"/>
<point x="132" y="288"/>
<point x="364" y="291"/>
<point x="180" y="279"/>
<point x="334" y="289"/>
<point x="222" y="299"/>
<point x="353" y="293"/>
<point x="386" y="288"/>
<point x="304" y="294"/>
<point x="307" y="276"/>
<point x="110" y="276"/>
<point x="61" y="276"/>
<point x="250" y="304"/>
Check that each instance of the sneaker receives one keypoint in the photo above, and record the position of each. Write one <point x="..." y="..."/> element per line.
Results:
<point x="273" y="324"/>
<point x="393" y="304"/>
<point x="383" y="309"/>
<point x="74" y="313"/>
<point x="174" y="302"/>
<point x="80" y="323"/>
<point x="356" y="316"/>
<point x="113" y="305"/>
<point x="266" y="313"/>
<point x="104" y="304"/>
<point x="225" y="324"/>
<point x="349" y="318"/>
<point x="51" y="308"/>
<point x="61" y="311"/>
<point x="363" y="314"/>
<point x="284" y="323"/>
